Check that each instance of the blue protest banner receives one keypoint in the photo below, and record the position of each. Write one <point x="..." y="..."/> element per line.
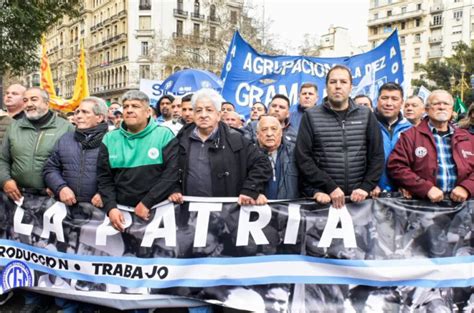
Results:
<point x="250" y="76"/>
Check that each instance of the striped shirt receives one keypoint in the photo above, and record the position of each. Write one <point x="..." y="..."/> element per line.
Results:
<point x="446" y="177"/>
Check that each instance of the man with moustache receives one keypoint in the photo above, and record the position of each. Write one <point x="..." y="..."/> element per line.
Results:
<point x="216" y="160"/>
<point x="187" y="109"/>
<point x="26" y="147"/>
<point x="339" y="149"/>
<point x="284" y="182"/>
<point x="435" y="158"/>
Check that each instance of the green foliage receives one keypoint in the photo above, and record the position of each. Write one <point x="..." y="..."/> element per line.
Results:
<point x="437" y="74"/>
<point x="22" y="23"/>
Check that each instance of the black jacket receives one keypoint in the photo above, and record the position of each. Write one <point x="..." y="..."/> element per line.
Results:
<point x="237" y="165"/>
<point x="70" y="165"/>
<point x="332" y="153"/>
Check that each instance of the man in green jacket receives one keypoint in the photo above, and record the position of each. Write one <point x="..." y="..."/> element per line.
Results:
<point x="27" y="145"/>
<point x="137" y="165"/>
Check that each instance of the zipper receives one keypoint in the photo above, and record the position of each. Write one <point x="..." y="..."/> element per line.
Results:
<point x="80" y="172"/>
<point x="38" y="140"/>
<point x="346" y="162"/>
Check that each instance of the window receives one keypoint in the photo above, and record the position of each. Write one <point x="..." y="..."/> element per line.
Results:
<point x="145" y="5"/>
<point x="124" y="53"/>
<point x="212" y="32"/>
<point x="403" y="25"/>
<point x="402" y="40"/>
<point x="417" y="37"/>
<point x="197" y="7"/>
<point x="437" y="20"/>
<point x="212" y="12"/>
<point x="196" y="29"/>
<point x="404" y="10"/>
<point x="375" y="3"/>
<point x="180" y="5"/>
<point x="389" y="13"/>
<point x="418" y="6"/>
<point x="457" y="14"/>
<point x="196" y="55"/>
<point x="144" y="71"/>
<point x="417" y="22"/>
<point x="144" y="48"/>
<point x="387" y="28"/>
<point x="233" y="17"/>
<point x="376" y="16"/>
<point x="416" y="66"/>
<point x="212" y="57"/>
<point x="144" y="22"/>
<point x="179" y="28"/>
<point x="375" y="30"/>
<point x="417" y="52"/>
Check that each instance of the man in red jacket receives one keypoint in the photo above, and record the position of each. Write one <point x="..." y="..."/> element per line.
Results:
<point x="435" y="158"/>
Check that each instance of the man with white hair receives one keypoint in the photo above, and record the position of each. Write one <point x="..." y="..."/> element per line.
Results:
<point x="435" y="158"/>
<point x="224" y="163"/>
<point x="414" y="109"/>
<point x="71" y="170"/>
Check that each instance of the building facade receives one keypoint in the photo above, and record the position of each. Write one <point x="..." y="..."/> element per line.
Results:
<point x="427" y="29"/>
<point x="337" y="42"/>
<point x="129" y="40"/>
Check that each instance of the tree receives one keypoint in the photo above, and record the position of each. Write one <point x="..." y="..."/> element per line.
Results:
<point x="22" y="23"/>
<point x="310" y="46"/>
<point x="208" y="48"/>
<point x="437" y="74"/>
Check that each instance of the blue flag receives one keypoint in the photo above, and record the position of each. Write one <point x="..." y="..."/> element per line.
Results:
<point x="249" y="76"/>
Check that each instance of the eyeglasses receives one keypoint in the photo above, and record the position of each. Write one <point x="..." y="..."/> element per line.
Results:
<point x="438" y="104"/>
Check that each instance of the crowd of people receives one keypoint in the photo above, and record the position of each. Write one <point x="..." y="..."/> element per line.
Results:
<point x="136" y="155"/>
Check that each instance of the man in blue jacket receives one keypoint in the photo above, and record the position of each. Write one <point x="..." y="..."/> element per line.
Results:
<point x="71" y="170"/>
<point x="392" y="124"/>
<point x="284" y="181"/>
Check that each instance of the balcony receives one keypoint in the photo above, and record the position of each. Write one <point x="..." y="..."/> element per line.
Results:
<point x="146" y="6"/>
<point x="436" y="25"/>
<point x="396" y="17"/>
<point x="122" y="14"/>
<point x="197" y="17"/>
<point x="214" y="19"/>
<point x="178" y="35"/>
<point x="180" y="13"/>
<point x="145" y="33"/>
<point x="436" y="54"/>
<point x="437" y="39"/>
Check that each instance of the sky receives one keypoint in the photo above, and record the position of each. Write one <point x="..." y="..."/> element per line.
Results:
<point x="290" y="20"/>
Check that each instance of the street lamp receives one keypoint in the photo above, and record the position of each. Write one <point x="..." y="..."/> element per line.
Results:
<point x="452" y="82"/>
<point x="472" y="84"/>
<point x="463" y="69"/>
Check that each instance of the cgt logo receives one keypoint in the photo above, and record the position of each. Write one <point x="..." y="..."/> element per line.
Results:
<point x="16" y="274"/>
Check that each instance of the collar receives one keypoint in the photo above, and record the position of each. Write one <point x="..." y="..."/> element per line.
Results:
<point x="212" y="136"/>
<point x="435" y="131"/>
<point x="384" y="121"/>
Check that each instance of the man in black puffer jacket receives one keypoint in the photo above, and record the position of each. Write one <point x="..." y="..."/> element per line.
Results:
<point x="339" y="149"/>
<point x="71" y="170"/>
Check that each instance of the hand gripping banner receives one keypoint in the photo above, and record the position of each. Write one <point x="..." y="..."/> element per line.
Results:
<point x="384" y="254"/>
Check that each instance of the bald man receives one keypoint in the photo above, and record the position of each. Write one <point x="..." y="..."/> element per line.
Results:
<point x="13" y="100"/>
